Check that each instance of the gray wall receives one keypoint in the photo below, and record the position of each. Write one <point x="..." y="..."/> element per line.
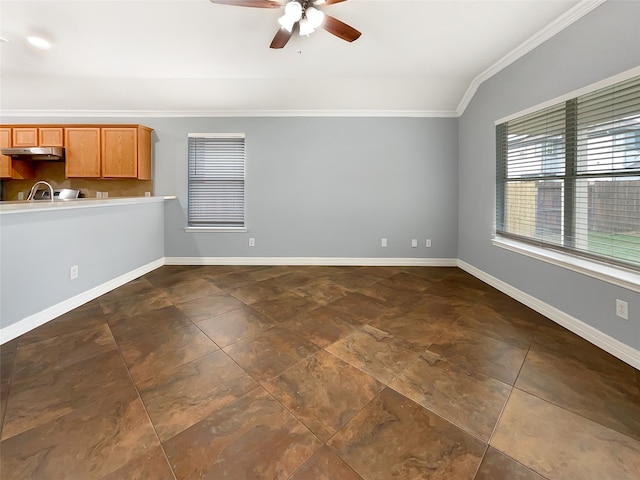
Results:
<point x="324" y="187"/>
<point x="318" y="186"/>
<point x="601" y="44"/>
<point x="38" y="249"/>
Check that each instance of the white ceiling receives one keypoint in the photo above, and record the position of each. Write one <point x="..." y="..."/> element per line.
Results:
<point x="415" y="57"/>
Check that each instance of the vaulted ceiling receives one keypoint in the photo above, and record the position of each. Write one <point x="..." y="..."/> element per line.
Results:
<point x="193" y="57"/>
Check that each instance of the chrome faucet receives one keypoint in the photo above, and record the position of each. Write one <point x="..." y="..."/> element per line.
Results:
<point x="34" y="189"/>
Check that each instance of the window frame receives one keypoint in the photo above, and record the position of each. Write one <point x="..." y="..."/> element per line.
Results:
<point x="611" y="272"/>
<point x="213" y="227"/>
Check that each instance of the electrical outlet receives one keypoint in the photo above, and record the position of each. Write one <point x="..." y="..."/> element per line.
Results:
<point x="428" y="243"/>
<point x="383" y="242"/>
<point x="147" y="194"/>
<point x="414" y="243"/>
<point x="20" y="195"/>
<point x="98" y="194"/>
<point x="252" y="242"/>
<point x="105" y="194"/>
<point x="622" y="309"/>
<point x="73" y="272"/>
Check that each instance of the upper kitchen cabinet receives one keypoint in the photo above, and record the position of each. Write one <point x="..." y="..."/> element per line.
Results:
<point x="126" y="152"/>
<point x="82" y="145"/>
<point x="10" y="168"/>
<point x="25" y="137"/>
<point x="51" y="137"/>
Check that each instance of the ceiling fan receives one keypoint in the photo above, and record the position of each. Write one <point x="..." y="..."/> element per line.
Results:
<point x="300" y="15"/>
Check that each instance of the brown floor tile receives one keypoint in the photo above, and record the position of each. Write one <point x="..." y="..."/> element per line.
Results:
<point x="455" y="290"/>
<point x="322" y="326"/>
<point x="480" y="353"/>
<point x="51" y="394"/>
<point x="293" y="279"/>
<point x="149" y="355"/>
<point x="206" y="307"/>
<point x="69" y="408"/>
<point x="377" y="272"/>
<point x="271" y="352"/>
<point x="375" y="352"/>
<point x="252" y="438"/>
<point x="410" y="281"/>
<point x="438" y="310"/>
<point x="7" y="358"/>
<point x="353" y="282"/>
<point x="469" y="400"/>
<point x="285" y="307"/>
<point x="88" y="315"/>
<point x="254" y="292"/>
<point x="393" y="437"/>
<point x="230" y="327"/>
<point x="322" y="290"/>
<point x="605" y="396"/>
<point x="389" y="294"/>
<point x="323" y="392"/>
<point x="325" y="465"/>
<point x="487" y="322"/>
<point x="135" y="298"/>
<point x="410" y="325"/>
<point x="61" y="351"/>
<point x="152" y="465"/>
<point x="65" y="448"/>
<point x="497" y="466"/>
<point x="358" y="308"/>
<point x="433" y="273"/>
<point x="184" y="291"/>
<point x="180" y="397"/>
<point x="162" y="320"/>
<point x="585" y="450"/>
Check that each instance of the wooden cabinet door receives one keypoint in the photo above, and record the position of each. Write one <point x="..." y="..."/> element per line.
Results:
<point x="5" y="161"/>
<point x="10" y="168"/>
<point x="119" y="152"/>
<point x="25" y="137"/>
<point x="50" y="137"/>
<point x="82" y="152"/>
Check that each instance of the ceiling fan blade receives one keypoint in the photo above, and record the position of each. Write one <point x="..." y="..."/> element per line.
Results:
<point x="331" y="2"/>
<point x="250" y="3"/>
<point x="281" y="38"/>
<point x="340" y="29"/>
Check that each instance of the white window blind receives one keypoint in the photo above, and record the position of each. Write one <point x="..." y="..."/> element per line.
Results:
<point x="568" y="176"/>
<point x="216" y="180"/>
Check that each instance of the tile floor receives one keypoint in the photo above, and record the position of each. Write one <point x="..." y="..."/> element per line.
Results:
<point x="298" y="373"/>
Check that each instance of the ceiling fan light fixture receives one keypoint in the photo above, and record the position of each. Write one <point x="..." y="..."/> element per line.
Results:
<point x="306" y="26"/>
<point x="286" y="22"/>
<point x="315" y="16"/>
<point x="293" y="10"/>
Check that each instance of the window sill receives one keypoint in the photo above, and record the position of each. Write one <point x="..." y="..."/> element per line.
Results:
<point x="607" y="273"/>
<point x="215" y="229"/>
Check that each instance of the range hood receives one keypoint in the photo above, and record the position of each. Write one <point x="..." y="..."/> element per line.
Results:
<point x="51" y="154"/>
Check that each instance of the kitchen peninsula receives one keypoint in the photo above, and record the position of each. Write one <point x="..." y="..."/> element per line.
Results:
<point x="109" y="242"/>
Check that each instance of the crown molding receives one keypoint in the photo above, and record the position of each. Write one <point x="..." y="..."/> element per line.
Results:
<point x="562" y="22"/>
<point x="228" y="113"/>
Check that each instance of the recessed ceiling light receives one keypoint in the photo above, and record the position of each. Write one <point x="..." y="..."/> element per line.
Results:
<point x="39" y="42"/>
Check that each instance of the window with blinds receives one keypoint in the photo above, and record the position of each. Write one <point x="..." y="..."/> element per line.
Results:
<point x="568" y="176"/>
<point x="216" y="180"/>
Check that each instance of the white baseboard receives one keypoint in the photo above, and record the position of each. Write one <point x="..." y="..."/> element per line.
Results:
<point x="609" y="344"/>
<point x="325" y="261"/>
<point x="33" y="321"/>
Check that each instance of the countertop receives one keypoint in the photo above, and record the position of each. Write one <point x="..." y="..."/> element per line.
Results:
<point x="24" y="206"/>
